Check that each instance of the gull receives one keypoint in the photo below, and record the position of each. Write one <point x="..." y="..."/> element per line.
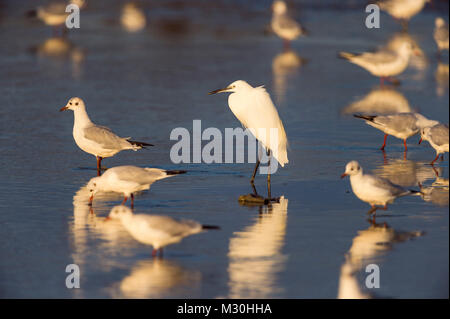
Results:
<point x="383" y="63"/>
<point x="283" y="25"/>
<point x="402" y="10"/>
<point x="94" y="139"/>
<point x="375" y="190"/>
<point x="133" y="17"/>
<point x="156" y="230"/>
<point x="401" y="125"/>
<point x="441" y="34"/>
<point x="437" y="136"/>
<point x="54" y="14"/>
<point x="127" y="180"/>
<point x="254" y="108"/>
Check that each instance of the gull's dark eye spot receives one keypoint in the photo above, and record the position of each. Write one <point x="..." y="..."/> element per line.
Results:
<point x="76" y="103"/>
<point x="95" y="184"/>
<point x="70" y="103"/>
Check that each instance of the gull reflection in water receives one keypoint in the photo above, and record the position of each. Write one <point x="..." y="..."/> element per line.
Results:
<point x="382" y="100"/>
<point x="157" y="278"/>
<point x="442" y="78"/>
<point x="407" y="173"/>
<point x="59" y="50"/>
<point x="255" y="254"/>
<point x="284" y="66"/>
<point x="368" y="247"/>
<point x="436" y="193"/>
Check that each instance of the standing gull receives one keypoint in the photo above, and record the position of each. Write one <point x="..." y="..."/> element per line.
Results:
<point x="283" y="25"/>
<point x="94" y="139"/>
<point x="402" y="10"/>
<point x="437" y="136"/>
<point x="401" y="125"/>
<point x="441" y="34"/>
<point x="383" y="63"/>
<point x="254" y="108"/>
<point x="155" y="230"/>
<point x="372" y="189"/>
<point x="127" y="180"/>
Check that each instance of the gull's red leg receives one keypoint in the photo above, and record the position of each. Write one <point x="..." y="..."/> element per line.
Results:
<point x="154" y="251"/>
<point x="437" y="156"/>
<point x="404" y="143"/>
<point x="132" y="200"/>
<point x="99" y="165"/>
<point x="124" y="200"/>
<point x="384" y="142"/>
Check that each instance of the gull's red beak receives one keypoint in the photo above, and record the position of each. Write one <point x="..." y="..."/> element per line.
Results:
<point x="343" y="175"/>
<point x="107" y="219"/>
<point x="91" y="199"/>
<point x="63" y="108"/>
<point x="420" y="141"/>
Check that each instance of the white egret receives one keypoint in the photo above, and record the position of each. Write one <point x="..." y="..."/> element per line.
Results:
<point x="94" y="139"/>
<point x="254" y="108"/>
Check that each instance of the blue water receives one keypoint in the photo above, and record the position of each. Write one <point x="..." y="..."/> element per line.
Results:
<point x="146" y="84"/>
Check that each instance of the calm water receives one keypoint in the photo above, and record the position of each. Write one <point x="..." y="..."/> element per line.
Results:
<point x="316" y="241"/>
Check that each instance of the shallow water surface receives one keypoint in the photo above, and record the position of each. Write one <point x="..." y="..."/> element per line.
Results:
<point x="314" y="243"/>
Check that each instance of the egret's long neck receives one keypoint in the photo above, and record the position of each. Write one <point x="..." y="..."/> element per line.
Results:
<point x="81" y="117"/>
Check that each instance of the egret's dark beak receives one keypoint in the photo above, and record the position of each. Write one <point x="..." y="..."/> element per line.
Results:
<point x="219" y="91"/>
<point x="420" y="141"/>
<point x="63" y="108"/>
<point x="343" y="175"/>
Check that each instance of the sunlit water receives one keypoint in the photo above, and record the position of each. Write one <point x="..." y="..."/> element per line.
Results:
<point x="315" y="243"/>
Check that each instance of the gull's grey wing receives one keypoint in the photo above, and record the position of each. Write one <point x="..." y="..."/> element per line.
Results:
<point x="137" y="174"/>
<point x="399" y="122"/>
<point x="379" y="57"/>
<point x="105" y="137"/>
<point x="171" y="226"/>
<point x="439" y="134"/>
<point x="384" y="183"/>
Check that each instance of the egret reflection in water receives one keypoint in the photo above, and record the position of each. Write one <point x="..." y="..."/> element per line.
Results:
<point x="381" y="100"/>
<point x="368" y="247"/>
<point x="255" y="254"/>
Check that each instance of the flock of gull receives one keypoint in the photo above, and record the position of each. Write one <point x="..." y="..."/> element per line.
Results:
<point x="255" y="110"/>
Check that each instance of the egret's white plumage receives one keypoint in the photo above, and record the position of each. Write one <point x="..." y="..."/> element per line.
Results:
<point x="373" y="189"/>
<point x="254" y="108"/>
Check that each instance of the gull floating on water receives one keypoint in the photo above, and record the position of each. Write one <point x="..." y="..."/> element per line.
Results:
<point x="441" y="34"/>
<point x="94" y="139"/>
<point x="402" y="10"/>
<point x="437" y="136"/>
<point x="156" y="230"/>
<point x="127" y="180"/>
<point x="383" y="63"/>
<point x="374" y="190"/>
<point x="283" y="25"/>
<point x="401" y="125"/>
<point x="254" y="108"/>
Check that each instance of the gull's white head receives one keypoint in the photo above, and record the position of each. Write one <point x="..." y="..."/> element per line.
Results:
<point x="352" y="168"/>
<point x="424" y="133"/>
<point x="406" y="48"/>
<point x="439" y="22"/>
<point x="236" y="86"/>
<point x="73" y="104"/>
<point x="119" y="212"/>
<point x="279" y="7"/>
